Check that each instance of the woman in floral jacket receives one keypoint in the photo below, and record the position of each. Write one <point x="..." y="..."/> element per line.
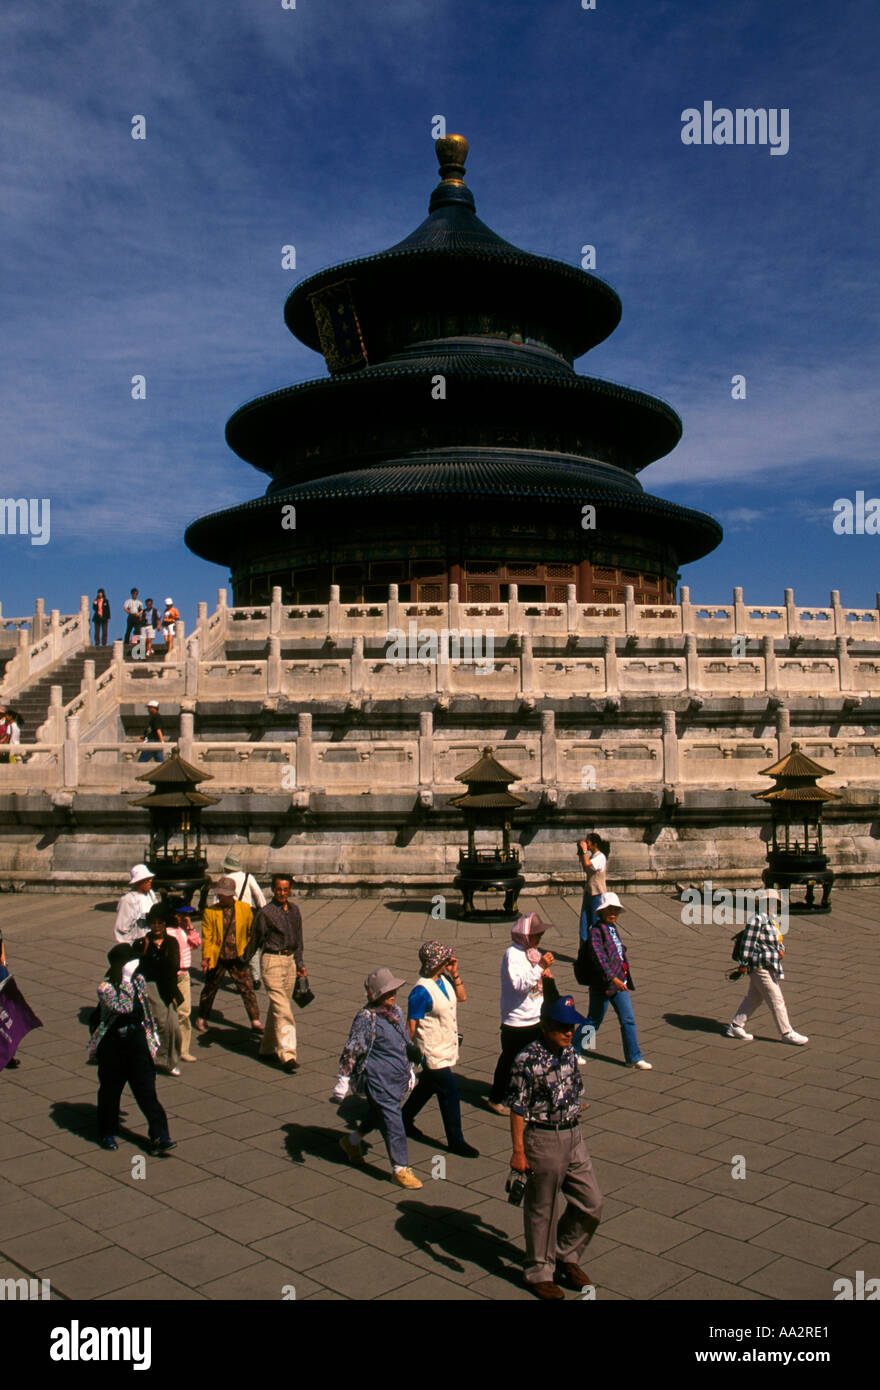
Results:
<point x="375" y="1062"/>
<point x="124" y="1043"/>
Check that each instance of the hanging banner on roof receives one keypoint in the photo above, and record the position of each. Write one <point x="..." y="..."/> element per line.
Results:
<point x="338" y="327"/>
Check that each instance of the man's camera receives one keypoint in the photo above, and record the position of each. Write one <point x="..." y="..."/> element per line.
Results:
<point x="515" y="1187"/>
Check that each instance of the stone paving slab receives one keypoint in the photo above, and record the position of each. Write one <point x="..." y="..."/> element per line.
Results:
<point x="258" y="1197"/>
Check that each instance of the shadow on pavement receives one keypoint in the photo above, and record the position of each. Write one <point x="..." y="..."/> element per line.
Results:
<point x="695" y="1023"/>
<point x="445" y="1232"/>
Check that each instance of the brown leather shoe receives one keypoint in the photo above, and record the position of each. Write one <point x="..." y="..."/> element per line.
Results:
<point x="571" y="1276"/>
<point x="548" y="1291"/>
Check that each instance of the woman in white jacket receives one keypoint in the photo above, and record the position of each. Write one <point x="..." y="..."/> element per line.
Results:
<point x="523" y="972"/>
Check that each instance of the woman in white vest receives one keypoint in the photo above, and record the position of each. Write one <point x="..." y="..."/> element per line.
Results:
<point x="433" y="1026"/>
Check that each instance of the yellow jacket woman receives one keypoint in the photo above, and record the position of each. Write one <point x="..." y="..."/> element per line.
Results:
<point x="212" y="932"/>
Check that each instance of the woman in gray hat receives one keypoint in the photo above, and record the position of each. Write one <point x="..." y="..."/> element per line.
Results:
<point x="375" y="1063"/>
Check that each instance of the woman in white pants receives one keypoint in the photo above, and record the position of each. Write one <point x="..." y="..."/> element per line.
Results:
<point x="760" y="953"/>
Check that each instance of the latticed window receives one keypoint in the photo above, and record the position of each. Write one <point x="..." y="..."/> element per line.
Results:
<point x="558" y="593"/>
<point x="430" y="593"/>
<point x="559" y="572"/>
<point x="479" y="593"/>
<point x="514" y="571"/>
<point x="483" y="569"/>
<point x="606" y="575"/>
<point x="604" y="594"/>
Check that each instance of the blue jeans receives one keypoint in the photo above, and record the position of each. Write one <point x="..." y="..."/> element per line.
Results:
<point x="621" y="1003"/>
<point x="588" y="915"/>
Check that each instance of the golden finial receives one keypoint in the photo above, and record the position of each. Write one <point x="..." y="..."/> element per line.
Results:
<point x="452" y="151"/>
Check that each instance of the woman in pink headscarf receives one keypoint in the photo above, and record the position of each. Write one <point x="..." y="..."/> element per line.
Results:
<point x="524" y="970"/>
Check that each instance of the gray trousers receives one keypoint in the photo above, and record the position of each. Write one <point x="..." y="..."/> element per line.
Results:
<point x="560" y="1164"/>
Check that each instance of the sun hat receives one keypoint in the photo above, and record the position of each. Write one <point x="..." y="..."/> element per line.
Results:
<point x="169" y="601"/>
<point x="152" y="704"/>
<point x="433" y="954"/>
<point x="528" y="926"/>
<point x="609" y="900"/>
<point x="225" y="886"/>
<point x="139" y="873"/>
<point x="381" y="982"/>
<point x="232" y="861"/>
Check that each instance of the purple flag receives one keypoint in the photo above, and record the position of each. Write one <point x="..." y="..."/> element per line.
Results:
<point x="17" y="1019"/>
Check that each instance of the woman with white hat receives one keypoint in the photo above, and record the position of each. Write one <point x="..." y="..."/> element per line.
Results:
<point x="131" y="914"/>
<point x="524" y="968"/>
<point x="169" y="618"/>
<point x="603" y="966"/>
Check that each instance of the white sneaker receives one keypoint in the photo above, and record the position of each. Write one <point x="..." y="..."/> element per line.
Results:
<point x="582" y="1059"/>
<point x="641" y="1065"/>
<point x="174" y="1071"/>
<point x="797" y="1039"/>
<point x="734" y="1031"/>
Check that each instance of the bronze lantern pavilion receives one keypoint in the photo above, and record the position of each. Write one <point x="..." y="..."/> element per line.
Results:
<point x="488" y="803"/>
<point x="797" y="798"/>
<point x="175" y="806"/>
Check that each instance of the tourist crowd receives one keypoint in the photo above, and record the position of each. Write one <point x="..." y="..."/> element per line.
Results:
<point x="396" y="1060"/>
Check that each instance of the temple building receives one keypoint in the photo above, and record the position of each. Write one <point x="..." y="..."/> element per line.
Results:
<point x="453" y="442"/>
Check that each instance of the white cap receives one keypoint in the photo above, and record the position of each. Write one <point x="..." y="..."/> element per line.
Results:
<point x="152" y="704"/>
<point x="169" y="601"/>
<point x="139" y="873"/>
<point x="609" y="900"/>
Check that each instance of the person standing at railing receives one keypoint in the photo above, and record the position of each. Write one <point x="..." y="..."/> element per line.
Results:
<point x="5" y="735"/>
<point x="151" y="621"/>
<point x="101" y="617"/>
<point x="133" y="609"/>
<point x="169" y="618"/>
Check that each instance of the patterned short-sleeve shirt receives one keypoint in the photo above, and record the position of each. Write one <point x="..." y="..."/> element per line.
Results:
<point x="545" y="1087"/>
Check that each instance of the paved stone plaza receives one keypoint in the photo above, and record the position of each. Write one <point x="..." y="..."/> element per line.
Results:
<point x="258" y="1196"/>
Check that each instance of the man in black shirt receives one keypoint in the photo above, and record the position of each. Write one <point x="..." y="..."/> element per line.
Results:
<point x="277" y="932"/>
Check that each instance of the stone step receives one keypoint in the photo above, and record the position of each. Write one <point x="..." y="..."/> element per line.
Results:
<point x="33" y="702"/>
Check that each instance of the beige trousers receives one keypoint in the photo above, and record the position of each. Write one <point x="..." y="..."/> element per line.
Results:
<point x="184" y="1010"/>
<point x="764" y="989"/>
<point x="561" y="1168"/>
<point x="279" y="977"/>
<point x="169" y="1029"/>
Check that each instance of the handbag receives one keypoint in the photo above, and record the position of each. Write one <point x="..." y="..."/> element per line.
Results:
<point x="302" y="994"/>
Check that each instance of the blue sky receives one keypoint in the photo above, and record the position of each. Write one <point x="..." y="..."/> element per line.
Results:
<point x="312" y="127"/>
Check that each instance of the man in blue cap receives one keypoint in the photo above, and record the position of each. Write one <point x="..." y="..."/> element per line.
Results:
<point x="544" y="1097"/>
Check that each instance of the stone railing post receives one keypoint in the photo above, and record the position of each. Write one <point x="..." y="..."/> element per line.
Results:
<point x="192" y="656"/>
<point x="790" y="613"/>
<point x="548" y="748"/>
<point x="687" y="609"/>
<point x="357" y="664"/>
<point x="70" y="754"/>
<point x="426" y="749"/>
<point x="55" y="715"/>
<point x="333" y="610"/>
<point x="118" y="657"/>
<point x="303" y="751"/>
<point x="187" y="735"/>
<point x="692" y="661"/>
<point x="527" y="665"/>
<point x="629" y="607"/>
<point x="223" y="610"/>
<point x="671" y="762"/>
<point x="54" y="629"/>
<point x="87" y="690"/>
<point x="273" y="667"/>
<point x="85" y="613"/>
<point x="837" y="609"/>
<point x="768" y="651"/>
<point x="783" y="731"/>
<point x="844" y="663"/>
<point x="514" y="609"/>
<point x="39" y="626"/>
<point x="21" y="656"/>
<point x="454" y="609"/>
<point x="739" y="612"/>
<point x="572" y="609"/>
<point x="612" y="686"/>
<point x="393" y="619"/>
<point x="275" y="611"/>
